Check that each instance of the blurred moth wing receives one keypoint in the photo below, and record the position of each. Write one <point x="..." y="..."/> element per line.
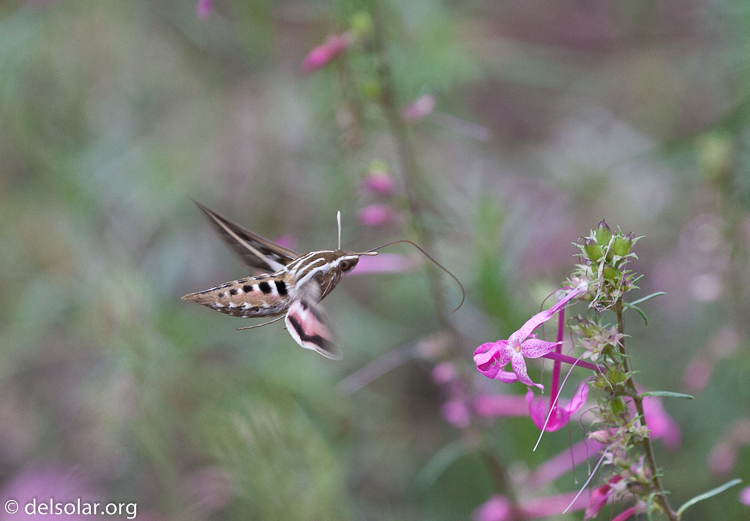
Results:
<point x="307" y="324"/>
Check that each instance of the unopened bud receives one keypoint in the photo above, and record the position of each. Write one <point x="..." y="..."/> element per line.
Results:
<point x="602" y="437"/>
<point x="603" y="233"/>
<point x="610" y="273"/>
<point x="618" y="406"/>
<point x="622" y="245"/>
<point x="592" y="249"/>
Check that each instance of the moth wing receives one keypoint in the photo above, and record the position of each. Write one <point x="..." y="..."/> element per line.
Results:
<point x="254" y="251"/>
<point x="307" y="323"/>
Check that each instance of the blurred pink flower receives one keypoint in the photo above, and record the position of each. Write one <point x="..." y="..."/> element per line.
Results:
<point x="745" y="496"/>
<point x="45" y="484"/>
<point x="456" y="413"/>
<point x="321" y="55"/>
<point x="288" y="240"/>
<point x="444" y="372"/>
<point x="627" y="513"/>
<point x="386" y="263"/>
<point x="697" y="374"/>
<point x="375" y="215"/>
<point x="419" y="109"/>
<point x="561" y="412"/>
<point x="660" y="424"/>
<point x="498" y="508"/>
<point x="492" y="357"/>
<point x="721" y="345"/>
<point x="203" y="8"/>
<point x="722" y="458"/>
<point x="563" y="462"/>
<point x="378" y="181"/>
<point x="500" y="405"/>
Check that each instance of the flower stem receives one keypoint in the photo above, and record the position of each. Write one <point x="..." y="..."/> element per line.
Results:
<point x="406" y="157"/>
<point x="648" y="448"/>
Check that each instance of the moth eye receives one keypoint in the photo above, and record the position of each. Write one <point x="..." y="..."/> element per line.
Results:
<point x="346" y="265"/>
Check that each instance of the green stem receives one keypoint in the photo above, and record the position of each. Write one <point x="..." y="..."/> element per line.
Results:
<point x="407" y="161"/>
<point x="412" y="178"/>
<point x="648" y="448"/>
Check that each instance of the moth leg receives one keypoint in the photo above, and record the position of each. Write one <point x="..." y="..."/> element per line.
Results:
<point x="261" y="325"/>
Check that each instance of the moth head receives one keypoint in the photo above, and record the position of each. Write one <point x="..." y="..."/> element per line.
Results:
<point x="348" y="260"/>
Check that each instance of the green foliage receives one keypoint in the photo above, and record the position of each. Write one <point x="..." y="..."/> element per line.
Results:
<point x="114" y="114"/>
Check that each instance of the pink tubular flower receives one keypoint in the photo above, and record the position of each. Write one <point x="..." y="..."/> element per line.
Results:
<point x="492" y="357"/>
<point x="379" y="182"/>
<point x="600" y="496"/>
<point x="745" y="496"/>
<point x="323" y="54"/>
<point x="660" y="423"/>
<point x="203" y="8"/>
<point x="498" y="508"/>
<point x="387" y="263"/>
<point x="560" y="413"/>
<point x="456" y="412"/>
<point x="419" y="109"/>
<point x="500" y="405"/>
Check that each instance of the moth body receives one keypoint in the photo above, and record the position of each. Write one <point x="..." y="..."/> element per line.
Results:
<point x="292" y="286"/>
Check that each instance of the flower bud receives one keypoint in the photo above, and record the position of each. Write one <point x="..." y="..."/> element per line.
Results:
<point x="610" y="273"/>
<point x="377" y="179"/>
<point x="622" y="245"/>
<point x="603" y="233"/>
<point x="592" y="249"/>
<point x="361" y="24"/>
<point x="420" y="108"/>
<point x="375" y="215"/>
<point x="602" y="437"/>
<point x="618" y="406"/>
<point x="322" y="55"/>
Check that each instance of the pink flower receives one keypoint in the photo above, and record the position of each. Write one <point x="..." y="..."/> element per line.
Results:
<point x="697" y="374"/>
<point x="288" y="240"/>
<point x="660" y="423"/>
<point x="419" y="109"/>
<point x="386" y="263"/>
<point x="560" y="413"/>
<point x="500" y="405"/>
<point x="379" y="182"/>
<point x="492" y="357"/>
<point x="456" y="413"/>
<point x="375" y="215"/>
<point x="322" y="55"/>
<point x="60" y="485"/>
<point x="600" y="496"/>
<point x="497" y="508"/>
<point x="745" y="496"/>
<point x="627" y="513"/>
<point x="559" y="465"/>
<point x="203" y="8"/>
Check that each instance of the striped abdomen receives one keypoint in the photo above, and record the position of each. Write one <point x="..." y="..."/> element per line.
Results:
<point x="261" y="296"/>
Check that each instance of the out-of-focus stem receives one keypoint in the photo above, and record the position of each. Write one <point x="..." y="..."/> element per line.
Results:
<point x="412" y="179"/>
<point x="406" y="158"/>
<point x="648" y="448"/>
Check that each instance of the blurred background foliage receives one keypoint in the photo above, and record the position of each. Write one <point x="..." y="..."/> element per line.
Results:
<point x="549" y="117"/>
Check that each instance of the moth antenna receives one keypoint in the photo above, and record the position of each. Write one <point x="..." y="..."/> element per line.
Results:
<point x="338" y="221"/>
<point x="463" y="292"/>
<point x="261" y="325"/>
